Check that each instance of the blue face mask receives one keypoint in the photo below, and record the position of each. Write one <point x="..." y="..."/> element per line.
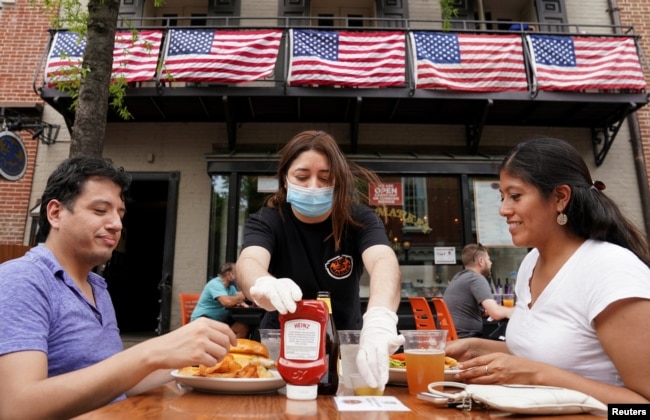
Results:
<point x="310" y="202"/>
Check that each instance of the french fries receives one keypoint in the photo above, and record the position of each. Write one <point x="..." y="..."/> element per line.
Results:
<point x="230" y="367"/>
<point x="450" y="362"/>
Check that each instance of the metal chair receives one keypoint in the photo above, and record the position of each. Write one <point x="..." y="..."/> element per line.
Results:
<point x="188" y="302"/>
<point x="444" y="319"/>
<point x="424" y="319"/>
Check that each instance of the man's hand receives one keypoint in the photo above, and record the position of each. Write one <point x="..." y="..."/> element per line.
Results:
<point x="276" y="294"/>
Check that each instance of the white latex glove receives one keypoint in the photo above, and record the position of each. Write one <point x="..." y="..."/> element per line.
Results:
<point x="378" y="340"/>
<point x="276" y="294"/>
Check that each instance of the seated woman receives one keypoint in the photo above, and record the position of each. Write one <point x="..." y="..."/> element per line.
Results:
<point x="218" y="296"/>
<point x="583" y="291"/>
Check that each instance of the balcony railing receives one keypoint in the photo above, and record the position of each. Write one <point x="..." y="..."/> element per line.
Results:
<point x="580" y="58"/>
<point x="393" y="71"/>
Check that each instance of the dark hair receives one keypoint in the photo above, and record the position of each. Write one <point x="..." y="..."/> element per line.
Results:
<point x="226" y="268"/>
<point x="68" y="179"/>
<point x="345" y="174"/>
<point x="547" y="163"/>
<point x="470" y="252"/>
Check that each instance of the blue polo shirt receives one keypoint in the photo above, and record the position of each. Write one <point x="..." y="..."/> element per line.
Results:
<point x="42" y="309"/>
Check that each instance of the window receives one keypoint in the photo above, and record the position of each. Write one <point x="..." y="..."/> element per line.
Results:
<point x="325" y="20"/>
<point x="198" y="19"/>
<point x="355" y="21"/>
<point x="170" y="19"/>
<point x="341" y="13"/>
<point x="415" y="198"/>
<point x="218" y="223"/>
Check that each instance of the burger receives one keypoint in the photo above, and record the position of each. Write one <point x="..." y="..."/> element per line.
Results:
<point x="249" y="348"/>
<point x="250" y="351"/>
<point x="248" y="359"/>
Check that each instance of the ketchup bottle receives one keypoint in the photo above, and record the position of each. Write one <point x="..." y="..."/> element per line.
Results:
<point x="302" y="348"/>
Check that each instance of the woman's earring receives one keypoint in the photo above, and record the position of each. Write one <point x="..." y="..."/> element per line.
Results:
<point x="562" y="219"/>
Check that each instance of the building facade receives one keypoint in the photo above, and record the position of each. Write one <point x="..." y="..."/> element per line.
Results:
<point x="203" y="153"/>
<point x="23" y="36"/>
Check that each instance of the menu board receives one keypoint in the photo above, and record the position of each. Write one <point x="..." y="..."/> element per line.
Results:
<point x="491" y="227"/>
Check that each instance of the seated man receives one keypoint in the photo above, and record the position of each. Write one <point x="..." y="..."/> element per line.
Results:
<point x="218" y="296"/>
<point x="60" y="349"/>
<point x="469" y="296"/>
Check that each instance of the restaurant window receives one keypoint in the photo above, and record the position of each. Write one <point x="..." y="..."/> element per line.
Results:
<point x="491" y="229"/>
<point x="218" y="223"/>
<point x="422" y="216"/>
<point x="415" y="198"/>
<point x="253" y="193"/>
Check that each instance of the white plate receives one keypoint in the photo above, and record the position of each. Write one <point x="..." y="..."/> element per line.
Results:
<point x="449" y="374"/>
<point x="397" y="376"/>
<point x="231" y="385"/>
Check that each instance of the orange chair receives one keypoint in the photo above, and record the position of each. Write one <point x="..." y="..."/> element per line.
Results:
<point x="445" y="321"/>
<point x="188" y="302"/>
<point x="422" y="313"/>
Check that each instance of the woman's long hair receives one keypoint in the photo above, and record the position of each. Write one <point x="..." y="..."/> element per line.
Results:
<point x="346" y="175"/>
<point x="547" y="163"/>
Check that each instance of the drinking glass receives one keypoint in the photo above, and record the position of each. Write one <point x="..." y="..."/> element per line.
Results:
<point x="360" y="387"/>
<point x="509" y="300"/>
<point x="271" y="339"/>
<point x="424" y="353"/>
<point x="498" y="297"/>
<point x="349" y="347"/>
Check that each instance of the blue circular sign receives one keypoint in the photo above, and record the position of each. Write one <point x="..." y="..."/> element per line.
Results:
<point x="13" y="156"/>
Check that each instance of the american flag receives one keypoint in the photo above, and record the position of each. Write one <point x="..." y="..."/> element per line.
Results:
<point x="479" y="63"/>
<point x="352" y="59"/>
<point x="135" y="56"/>
<point x="579" y="63"/>
<point x="200" y="55"/>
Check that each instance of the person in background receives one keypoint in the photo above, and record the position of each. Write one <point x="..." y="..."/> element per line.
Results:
<point x="60" y="349"/>
<point x="583" y="291"/>
<point x="314" y="234"/>
<point x="218" y="296"/>
<point x="518" y="27"/>
<point x="469" y="296"/>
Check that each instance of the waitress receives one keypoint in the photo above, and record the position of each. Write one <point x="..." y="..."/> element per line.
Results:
<point x="314" y="234"/>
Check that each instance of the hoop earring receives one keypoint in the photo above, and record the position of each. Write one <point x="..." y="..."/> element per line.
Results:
<point x="562" y="219"/>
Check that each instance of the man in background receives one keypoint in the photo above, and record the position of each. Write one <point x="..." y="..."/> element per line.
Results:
<point x="218" y="296"/>
<point x="469" y="296"/>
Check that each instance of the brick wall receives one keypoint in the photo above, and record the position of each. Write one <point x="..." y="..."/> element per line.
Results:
<point x="23" y="37"/>
<point x="635" y="13"/>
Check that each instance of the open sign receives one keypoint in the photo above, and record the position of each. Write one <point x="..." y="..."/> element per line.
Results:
<point x="386" y="194"/>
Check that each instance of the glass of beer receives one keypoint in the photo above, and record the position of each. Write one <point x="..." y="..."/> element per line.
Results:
<point x="509" y="300"/>
<point x="424" y="353"/>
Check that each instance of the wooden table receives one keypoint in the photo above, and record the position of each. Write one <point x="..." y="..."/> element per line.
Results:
<point x="173" y="402"/>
